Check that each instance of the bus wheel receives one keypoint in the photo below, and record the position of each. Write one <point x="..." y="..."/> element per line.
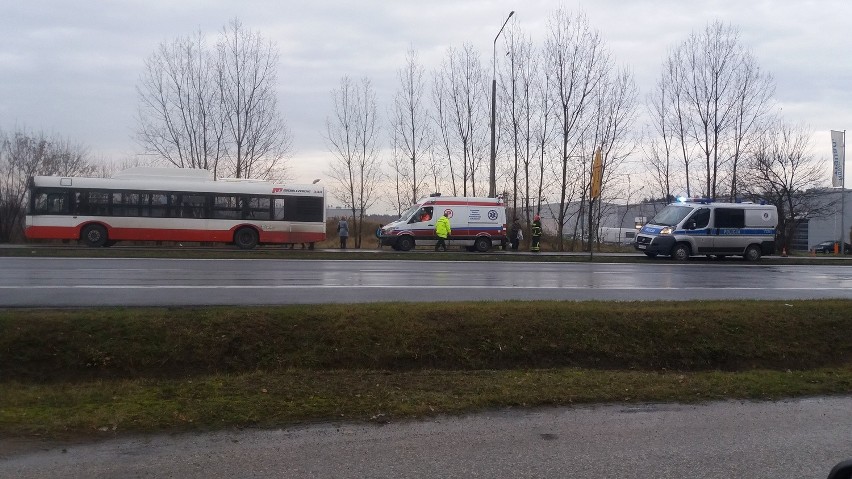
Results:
<point x="405" y="243"/>
<point x="246" y="238"/>
<point x="680" y="252"/>
<point x="94" y="236"/>
<point x="752" y="253"/>
<point x="482" y="244"/>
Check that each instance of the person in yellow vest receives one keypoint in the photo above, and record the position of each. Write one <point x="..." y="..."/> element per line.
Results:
<point x="536" y="234"/>
<point x="442" y="231"/>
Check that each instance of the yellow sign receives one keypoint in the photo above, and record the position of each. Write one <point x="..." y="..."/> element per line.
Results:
<point x="597" y="173"/>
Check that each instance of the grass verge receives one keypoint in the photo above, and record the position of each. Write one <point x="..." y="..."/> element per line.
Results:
<point x="72" y="373"/>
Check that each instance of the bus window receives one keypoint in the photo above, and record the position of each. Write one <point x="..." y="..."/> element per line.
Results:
<point x="226" y="207"/>
<point x="50" y="204"/>
<point x="155" y="205"/>
<point x="92" y="203"/>
<point x="278" y="211"/>
<point x="188" y="206"/>
<point x="255" y="207"/>
<point x="125" y="204"/>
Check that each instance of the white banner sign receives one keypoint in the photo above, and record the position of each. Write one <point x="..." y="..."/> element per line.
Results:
<point x="838" y="153"/>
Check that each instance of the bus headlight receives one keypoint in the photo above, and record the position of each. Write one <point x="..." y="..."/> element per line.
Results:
<point x="666" y="231"/>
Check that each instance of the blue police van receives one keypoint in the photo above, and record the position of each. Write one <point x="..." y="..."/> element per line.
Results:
<point x="703" y="227"/>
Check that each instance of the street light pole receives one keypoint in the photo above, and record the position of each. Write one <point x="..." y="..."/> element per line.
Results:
<point x="492" y="183"/>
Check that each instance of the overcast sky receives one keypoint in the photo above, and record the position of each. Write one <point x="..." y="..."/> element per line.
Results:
<point x="70" y="67"/>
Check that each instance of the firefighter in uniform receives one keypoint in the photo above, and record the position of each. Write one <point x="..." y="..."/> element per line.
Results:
<point x="536" y="234"/>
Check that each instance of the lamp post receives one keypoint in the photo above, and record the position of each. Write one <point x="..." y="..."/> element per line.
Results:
<point x="492" y="183"/>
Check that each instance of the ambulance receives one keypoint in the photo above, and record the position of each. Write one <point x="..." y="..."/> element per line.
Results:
<point x="703" y="227"/>
<point x="477" y="224"/>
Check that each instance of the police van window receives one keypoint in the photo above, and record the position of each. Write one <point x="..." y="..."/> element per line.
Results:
<point x="730" y="218"/>
<point x="700" y="218"/>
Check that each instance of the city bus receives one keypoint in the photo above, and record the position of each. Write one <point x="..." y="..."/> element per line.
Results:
<point x="174" y="204"/>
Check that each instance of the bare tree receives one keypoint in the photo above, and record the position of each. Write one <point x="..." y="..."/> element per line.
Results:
<point x="24" y="155"/>
<point x="442" y="119"/>
<point x="577" y="60"/>
<point x="717" y="95"/>
<point x="352" y="137"/>
<point x="614" y="114"/>
<point x="411" y="123"/>
<point x="782" y="171"/>
<point x="258" y="138"/>
<point x="215" y="109"/>
<point x="180" y="116"/>
<point x="464" y="113"/>
<point x="518" y="89"/>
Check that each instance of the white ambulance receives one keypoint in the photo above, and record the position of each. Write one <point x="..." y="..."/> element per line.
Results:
<point x="477" y="224"/>
<point x="703" y="227"/>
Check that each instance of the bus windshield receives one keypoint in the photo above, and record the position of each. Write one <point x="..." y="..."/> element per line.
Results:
<point x="671" y="215"/>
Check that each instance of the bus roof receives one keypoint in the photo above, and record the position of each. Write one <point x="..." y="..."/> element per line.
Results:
<point x="178" y="179"/>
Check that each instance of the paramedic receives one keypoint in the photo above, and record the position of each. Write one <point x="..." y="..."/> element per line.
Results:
<point x="343" y="231"/>
<point x="514" y="231"/>
<point x="536" y="234"/>
<point x="442" y="230"/>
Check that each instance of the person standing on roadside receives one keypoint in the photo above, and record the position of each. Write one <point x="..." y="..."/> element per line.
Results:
<point x="515" y="234"/>
<point x="442" y="231"/>
<point x="536" y="234"/>
<point x="343" y="232"/>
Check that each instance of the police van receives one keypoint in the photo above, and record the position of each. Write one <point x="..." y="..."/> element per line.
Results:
<point x="703" y="227"/>
<point x="477" y="224"/>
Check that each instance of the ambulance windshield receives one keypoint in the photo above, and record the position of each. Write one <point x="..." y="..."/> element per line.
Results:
<point x="407" y="213"/>
<point x="671" y="215"/>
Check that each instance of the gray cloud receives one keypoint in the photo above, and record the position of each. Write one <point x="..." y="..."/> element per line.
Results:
<point x="71" y="67"/>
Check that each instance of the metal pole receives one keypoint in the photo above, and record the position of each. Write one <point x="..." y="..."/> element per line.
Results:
<point x="843" y="235"/>
<point x="492" y="180"/>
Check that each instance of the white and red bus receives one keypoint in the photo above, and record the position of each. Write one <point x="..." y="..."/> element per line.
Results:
<point x="172" y="204"/>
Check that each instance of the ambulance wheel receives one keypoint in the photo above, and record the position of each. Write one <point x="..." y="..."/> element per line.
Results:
<point x="482" y="244"/>
<point x="752" y="253"/>
<point x="405" y="243"/>
<point x="680" y="252"/>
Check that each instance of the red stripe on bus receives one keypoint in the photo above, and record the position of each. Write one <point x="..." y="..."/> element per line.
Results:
<point x="159" y="234"/>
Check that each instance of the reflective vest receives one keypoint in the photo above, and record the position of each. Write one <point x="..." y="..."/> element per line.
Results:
<point x="536" y="228"/>
<point x="442" y="227"/>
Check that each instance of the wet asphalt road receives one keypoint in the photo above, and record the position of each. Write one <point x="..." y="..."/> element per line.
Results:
<point x="59" y="282"/>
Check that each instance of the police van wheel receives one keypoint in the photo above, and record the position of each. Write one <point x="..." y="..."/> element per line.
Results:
<point x="752" y="253"/>
<point x="680" y="252"/>
<point x="482" y="244"/>
<point x="405" y="243"/>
